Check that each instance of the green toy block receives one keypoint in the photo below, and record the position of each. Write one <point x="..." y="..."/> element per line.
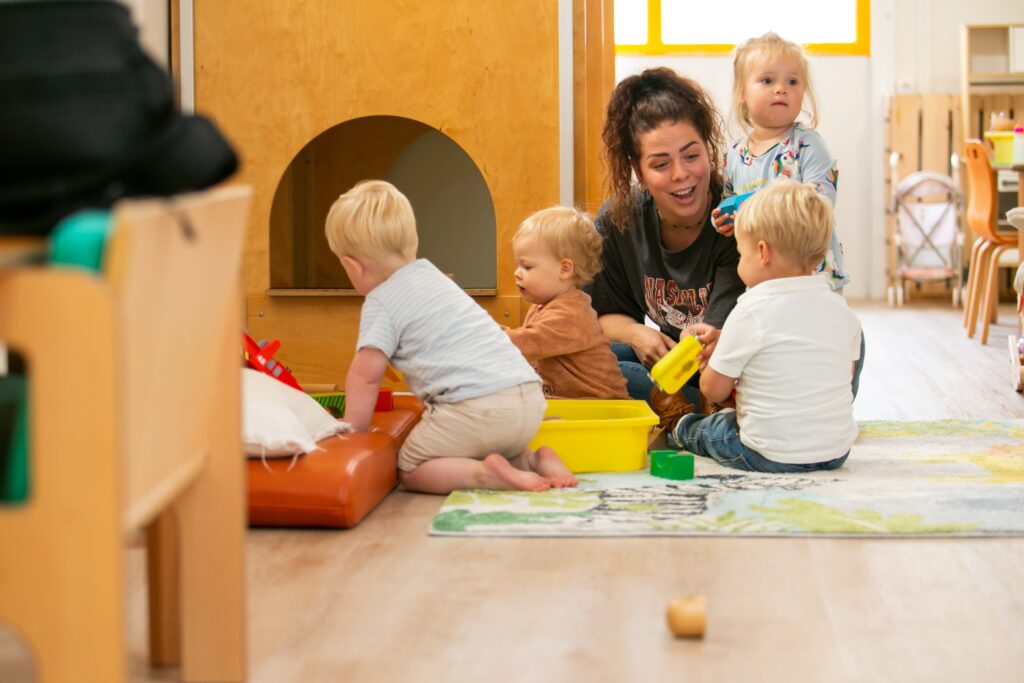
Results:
<point x="334" y="401"/>
<point x="672" y="465"/>
<point x="81" y="240"/>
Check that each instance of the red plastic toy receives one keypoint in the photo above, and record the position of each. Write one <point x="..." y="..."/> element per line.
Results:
<point x="261" y="358"/>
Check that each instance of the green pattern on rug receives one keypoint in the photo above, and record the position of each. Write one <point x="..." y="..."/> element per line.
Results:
<point x="939" y="478"/>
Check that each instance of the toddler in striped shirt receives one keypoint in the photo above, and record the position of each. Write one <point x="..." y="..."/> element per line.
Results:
<point x="484" y="403"/>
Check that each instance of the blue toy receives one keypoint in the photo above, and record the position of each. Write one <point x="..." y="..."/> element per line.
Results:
<point x="730" y="205"/>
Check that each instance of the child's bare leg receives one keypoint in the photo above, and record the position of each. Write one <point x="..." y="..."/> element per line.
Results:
<point x="547" y="464"/>
<point x="444" y="475"/>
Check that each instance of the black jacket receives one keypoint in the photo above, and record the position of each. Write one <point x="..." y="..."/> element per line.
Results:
<point x="86" y="117"/>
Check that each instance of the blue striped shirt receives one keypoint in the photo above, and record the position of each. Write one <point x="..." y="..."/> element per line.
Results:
<point x="446" y="345"/>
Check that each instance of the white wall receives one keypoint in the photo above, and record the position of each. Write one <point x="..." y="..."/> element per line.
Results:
<point x="152" y="19"/>
<point x="915" y="47"/>
<point x="927" y="55"/>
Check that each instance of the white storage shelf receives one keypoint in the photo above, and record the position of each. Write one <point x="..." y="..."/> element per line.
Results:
<point x="994" y="56"/>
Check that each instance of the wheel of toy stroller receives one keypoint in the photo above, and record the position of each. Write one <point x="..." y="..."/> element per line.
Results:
<point x="890" y="295"/>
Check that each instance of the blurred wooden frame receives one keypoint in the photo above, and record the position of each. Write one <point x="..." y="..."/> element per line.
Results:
<point x="135" y="420"/>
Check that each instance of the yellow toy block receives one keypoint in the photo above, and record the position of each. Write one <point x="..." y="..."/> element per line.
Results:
<point x="678" y="365"/>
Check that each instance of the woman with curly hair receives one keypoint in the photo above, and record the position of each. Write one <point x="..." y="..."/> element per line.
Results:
<point x="663" y="260"/>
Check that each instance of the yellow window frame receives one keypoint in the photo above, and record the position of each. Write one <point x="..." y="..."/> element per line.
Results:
<point x="861" y="46"/>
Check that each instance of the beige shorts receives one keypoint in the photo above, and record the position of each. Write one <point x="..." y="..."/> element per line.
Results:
<point x="502" y="422"/>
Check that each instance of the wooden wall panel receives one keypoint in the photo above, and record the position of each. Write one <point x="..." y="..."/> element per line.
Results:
<point x="593" y="82"/>
<point x="937" y="143"/>
<point x="319" y="333"/>
<point x="277" y="75"/>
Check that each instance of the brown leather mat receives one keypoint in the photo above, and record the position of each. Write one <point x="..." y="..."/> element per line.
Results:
<point x="336" y="486"/>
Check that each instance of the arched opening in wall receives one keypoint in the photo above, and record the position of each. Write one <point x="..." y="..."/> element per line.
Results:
<point x="17" y="659"/>
<point x="450" y="198"/>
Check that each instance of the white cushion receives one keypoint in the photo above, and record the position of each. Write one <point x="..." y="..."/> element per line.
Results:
<point x="278" y="420"/>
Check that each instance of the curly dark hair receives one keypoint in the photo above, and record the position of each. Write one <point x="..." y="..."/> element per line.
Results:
<point x="641" y="103"/>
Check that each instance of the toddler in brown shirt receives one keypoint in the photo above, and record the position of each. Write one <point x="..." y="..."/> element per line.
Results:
<point x="558" y="250"/>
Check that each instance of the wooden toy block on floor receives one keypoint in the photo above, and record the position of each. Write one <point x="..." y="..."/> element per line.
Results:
<point x="339" y="485"/>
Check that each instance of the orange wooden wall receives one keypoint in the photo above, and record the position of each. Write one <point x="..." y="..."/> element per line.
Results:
<point x="276" y="75"/>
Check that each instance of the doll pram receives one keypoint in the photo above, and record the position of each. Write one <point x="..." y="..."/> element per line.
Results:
<point x="927" y="236"/>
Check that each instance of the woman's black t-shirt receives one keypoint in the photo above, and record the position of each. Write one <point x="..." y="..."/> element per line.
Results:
<point x="674" y="289"/>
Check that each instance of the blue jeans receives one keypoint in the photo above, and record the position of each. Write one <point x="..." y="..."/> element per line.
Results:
<point x="638" y="377"/>
<point x="718" y="436"/>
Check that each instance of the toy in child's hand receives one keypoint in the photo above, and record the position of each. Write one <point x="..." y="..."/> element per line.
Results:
<point x="730" y="205"/>
<point x="678" y="365"/>
<point x="259" y="357"/>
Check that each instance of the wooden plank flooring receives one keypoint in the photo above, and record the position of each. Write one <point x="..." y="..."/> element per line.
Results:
<point x="386" y="602"/>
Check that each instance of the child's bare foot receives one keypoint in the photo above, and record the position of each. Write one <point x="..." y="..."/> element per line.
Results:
<point x="549" y="465"/>
<point x="521" y="480"/>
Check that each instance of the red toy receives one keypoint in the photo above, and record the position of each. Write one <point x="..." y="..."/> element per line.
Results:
<point x="261" y="358"/>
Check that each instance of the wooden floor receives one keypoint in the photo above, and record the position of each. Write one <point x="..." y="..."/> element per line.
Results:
<point x="387" y="602"/>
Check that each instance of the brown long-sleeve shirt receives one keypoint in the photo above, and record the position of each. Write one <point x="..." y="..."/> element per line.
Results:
<point x="566" y="346"/>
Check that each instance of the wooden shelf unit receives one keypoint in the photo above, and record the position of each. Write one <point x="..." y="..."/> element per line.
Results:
<point x="992" y="69"/>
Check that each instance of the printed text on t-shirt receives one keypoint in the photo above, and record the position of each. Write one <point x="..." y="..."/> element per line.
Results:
<point x="671" y="306"/>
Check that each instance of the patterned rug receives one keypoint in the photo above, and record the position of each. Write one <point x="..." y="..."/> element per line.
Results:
<point x="942" y="478"/>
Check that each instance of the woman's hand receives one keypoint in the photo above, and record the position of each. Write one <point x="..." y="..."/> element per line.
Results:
<point x="649" y="344"/>
<point x="707" y="335"/>
<point x="723" y="222"/>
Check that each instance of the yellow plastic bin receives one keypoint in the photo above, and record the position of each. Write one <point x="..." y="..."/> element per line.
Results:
<point x="597" y="436"/>
<point x="1002" y="145"/>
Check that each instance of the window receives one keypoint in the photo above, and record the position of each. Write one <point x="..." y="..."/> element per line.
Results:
<point x="662" y="27"/>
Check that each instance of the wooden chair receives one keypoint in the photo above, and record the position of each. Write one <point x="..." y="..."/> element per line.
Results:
<point x="989" y="245"/>
<point x="135" y="420"/>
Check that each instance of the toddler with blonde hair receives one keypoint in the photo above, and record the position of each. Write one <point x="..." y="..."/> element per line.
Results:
<point x="771" y="89"/>
<point x="557" y="251"/>
<point x="484" y="402"/>
<point x="788" y="348"/>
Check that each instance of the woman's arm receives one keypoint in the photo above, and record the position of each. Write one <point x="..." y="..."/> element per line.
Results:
<point x="361" y="386"/>
<point x="650" y="344"/>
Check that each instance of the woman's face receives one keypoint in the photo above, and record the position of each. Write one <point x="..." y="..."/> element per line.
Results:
<point x="675" y="168"/>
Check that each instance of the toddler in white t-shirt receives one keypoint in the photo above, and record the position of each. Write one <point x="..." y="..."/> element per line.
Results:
<point x="788" y="348"/>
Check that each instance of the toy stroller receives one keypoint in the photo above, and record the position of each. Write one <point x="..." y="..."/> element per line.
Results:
<point x="928" y="238"/>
